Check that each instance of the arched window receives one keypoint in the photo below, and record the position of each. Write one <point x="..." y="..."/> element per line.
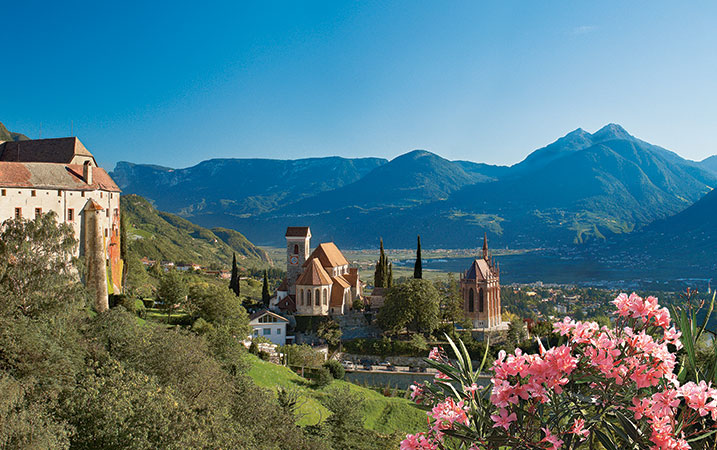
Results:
<point x="308" y="297"/>
<point x="480" y="300"/>
<point x="301" y="298"/>
<point x="470" y="300"/>
<point x="318" y="298"/>
<point x="326" y="296"/>
<point x="296" y="249"/>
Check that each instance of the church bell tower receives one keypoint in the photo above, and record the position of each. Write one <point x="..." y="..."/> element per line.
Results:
<point x="298" y="241"/>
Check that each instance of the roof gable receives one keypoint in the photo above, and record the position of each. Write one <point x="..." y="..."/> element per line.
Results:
<point x="329" y="255"/>
<point x="314" y="275"/>
<point x="479" y="270"/>
<point x="265" y="312"/>
<point x="288" y="304"/>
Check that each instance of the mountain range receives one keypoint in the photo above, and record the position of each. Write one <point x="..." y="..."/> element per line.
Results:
<point x="582" y="187"/>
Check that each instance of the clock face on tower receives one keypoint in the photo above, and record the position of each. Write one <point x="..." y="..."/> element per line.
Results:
<point x="294" y="260"/>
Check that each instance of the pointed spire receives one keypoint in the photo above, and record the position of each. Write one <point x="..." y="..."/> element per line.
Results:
<point x="485" y="246"/>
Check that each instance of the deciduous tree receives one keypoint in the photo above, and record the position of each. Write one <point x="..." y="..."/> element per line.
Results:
<point x="172" y="291"/>
<point x="412" y="305"/>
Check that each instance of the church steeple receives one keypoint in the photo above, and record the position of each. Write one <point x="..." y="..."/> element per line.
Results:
<point x="485" y="246"/>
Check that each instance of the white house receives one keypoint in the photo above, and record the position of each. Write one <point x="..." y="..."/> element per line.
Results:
<point x="269" y="325"/>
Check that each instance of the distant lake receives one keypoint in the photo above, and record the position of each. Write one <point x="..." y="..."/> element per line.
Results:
<point x="549" y="268"/>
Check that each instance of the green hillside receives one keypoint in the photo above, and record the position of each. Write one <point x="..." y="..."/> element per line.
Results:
<point x="382" y="414"/>
<point x="162" y="236"/>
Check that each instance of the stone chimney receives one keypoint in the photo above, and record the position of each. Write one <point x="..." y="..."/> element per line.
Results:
<point x="96" y="280"/>
<point x="87" y="172"/>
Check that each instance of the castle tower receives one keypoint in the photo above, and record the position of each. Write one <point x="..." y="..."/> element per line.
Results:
<point x="480" y="289"/>
<point x="298" y="240"/>
<point x="94" y="251"/>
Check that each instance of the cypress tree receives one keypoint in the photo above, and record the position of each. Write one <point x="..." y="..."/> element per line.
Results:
<point x="418" y="267"/>
<point x="389" y="280"/>
<point x="234" y="281"/>
<point x="379" y="276"/>
<point x="265" y="290"/>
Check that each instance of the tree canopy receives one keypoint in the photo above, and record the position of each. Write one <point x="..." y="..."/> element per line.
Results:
<point x="412" y="305"/>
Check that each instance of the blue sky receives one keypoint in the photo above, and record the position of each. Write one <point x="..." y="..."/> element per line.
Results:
<point x="180" y="82"/>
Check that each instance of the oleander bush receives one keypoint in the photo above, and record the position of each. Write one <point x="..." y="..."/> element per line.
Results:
<point x="636" y="385"/>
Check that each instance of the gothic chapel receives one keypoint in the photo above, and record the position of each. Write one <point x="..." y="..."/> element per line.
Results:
<point x="480" y="289"/>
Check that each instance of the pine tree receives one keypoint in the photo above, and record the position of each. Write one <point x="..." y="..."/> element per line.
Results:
<point x="234" y="281"/>
<point x="265" y="290"/>
<point x="418" y="267"/>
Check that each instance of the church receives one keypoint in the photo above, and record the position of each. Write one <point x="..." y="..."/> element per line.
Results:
<point x="480" y="290"/>
<point x="318" y="283"/>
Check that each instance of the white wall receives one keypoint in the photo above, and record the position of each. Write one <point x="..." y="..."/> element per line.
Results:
<point x="60" y="201"/>
<point x="277" y="331"/>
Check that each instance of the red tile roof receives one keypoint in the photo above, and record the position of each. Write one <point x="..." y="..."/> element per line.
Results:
<point x="314" y="275"/>
<point x="92" y="205"/>
<point x="352" y="277"/>
<point x="53" y="176"/>
<point x="329" y="255"/>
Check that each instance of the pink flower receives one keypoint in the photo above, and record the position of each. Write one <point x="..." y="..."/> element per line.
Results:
<point x="447" y="413"/>
<point x="700" y="397"/>
<point x="564" y="327"/>
<point x="641" y="407"/>
<point x="579" y="428"/>
<point x="416" y="393"/>
<point x="435" y="354"/>
<point x="471" y="389"/>
<point x="417" y="442"/>
<point x="551" y="439"/>
<point x="504" y="419"/>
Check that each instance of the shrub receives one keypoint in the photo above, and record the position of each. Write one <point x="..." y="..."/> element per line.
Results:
<point x="264" y="355"/>
<point x="322" y="377"/>
<point x="253" y="348"/>
<point x="621" y="388"/>
<point x="336" y="369"/>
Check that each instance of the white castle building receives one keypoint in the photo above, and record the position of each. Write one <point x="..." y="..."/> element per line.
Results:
<point x="61" y="175"/>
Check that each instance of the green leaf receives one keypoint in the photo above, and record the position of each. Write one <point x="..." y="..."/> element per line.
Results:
<point x="629" y="427"/>
<point x="485" y="355"/>
<point x="702" y="436"/>
<point x="707" y="317"/>
<point x="605" y="440"/>
<point x="688" y="342"/>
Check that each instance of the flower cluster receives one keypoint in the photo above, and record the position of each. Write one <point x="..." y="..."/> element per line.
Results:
<point x="596" y="374"/>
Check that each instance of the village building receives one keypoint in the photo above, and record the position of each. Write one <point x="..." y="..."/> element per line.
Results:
<point x="62" y="176"/>
<point x="270" y="326"/>
<point x="480" y="290"/>
<point x="319" y="283"/>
